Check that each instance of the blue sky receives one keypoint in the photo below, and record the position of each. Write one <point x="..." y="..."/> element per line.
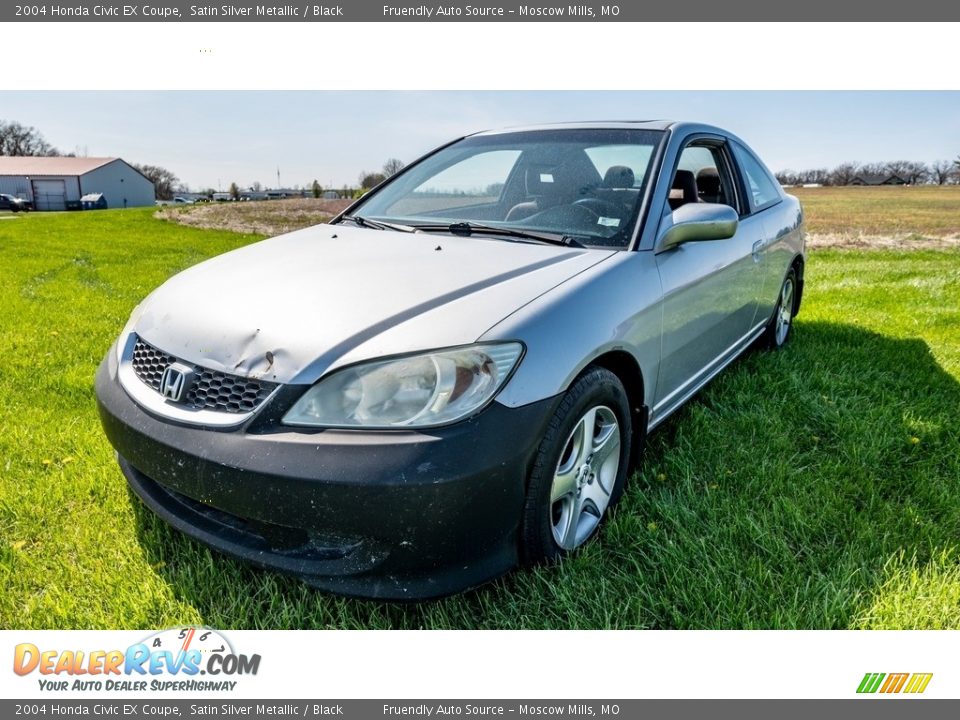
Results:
<point x="211" y="138"/>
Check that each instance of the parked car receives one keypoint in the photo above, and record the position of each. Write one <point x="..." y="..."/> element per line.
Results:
<point x="179" y="200"/>
<point x="14" y="204"/>
<point x="456" y="375"/>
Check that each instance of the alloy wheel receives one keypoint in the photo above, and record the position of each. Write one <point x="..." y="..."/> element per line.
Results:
<point x="585" y="477"/>
<point x="784" y="311"/>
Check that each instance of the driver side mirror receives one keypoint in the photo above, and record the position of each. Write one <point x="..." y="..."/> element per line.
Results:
<point x="696" y="222"/>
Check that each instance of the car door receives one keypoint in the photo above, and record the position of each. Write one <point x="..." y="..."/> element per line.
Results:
<point x="711" y="288"/>
<point x="763" y="198"/>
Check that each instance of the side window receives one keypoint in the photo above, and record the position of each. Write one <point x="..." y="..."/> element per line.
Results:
<point x="701" y="176"/>
<point x="761" y="188"/>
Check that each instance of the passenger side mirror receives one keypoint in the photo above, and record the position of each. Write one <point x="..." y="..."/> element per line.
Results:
<point x="694" y="222"/>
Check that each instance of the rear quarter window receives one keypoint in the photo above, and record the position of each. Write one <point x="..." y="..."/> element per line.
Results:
<point x="762" y="190"/>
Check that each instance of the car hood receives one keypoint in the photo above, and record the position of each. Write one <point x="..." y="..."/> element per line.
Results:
<point x="293" y="307"/>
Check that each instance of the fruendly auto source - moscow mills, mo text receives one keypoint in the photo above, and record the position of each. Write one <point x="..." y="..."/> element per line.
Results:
<point x="475" y="11"/>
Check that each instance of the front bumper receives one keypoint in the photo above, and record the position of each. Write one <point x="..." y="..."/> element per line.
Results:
<point x="392" y="515"/>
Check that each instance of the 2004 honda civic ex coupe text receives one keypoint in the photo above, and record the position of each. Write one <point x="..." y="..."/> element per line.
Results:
<point x="454" y="376"/>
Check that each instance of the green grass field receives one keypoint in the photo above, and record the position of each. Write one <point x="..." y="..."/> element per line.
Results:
<point x="817" y="487"/>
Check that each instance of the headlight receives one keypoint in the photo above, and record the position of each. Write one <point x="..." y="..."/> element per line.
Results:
<point x="434" y="388"/>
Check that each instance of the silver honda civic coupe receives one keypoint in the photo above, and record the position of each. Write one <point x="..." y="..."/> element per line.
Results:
<point x="456" y="375"/>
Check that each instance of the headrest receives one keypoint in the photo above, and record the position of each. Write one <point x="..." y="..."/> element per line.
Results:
<point x="684" y="188"/>
<point x="708" y="181"/>
<point x="619" y="177"/>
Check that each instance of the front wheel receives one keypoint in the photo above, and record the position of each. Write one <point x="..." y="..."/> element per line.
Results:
<point x="580" y="468"/>
<point x="778" y="329"/>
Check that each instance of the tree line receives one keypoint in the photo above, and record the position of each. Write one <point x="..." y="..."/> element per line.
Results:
<point x="911" y="172"/>
<point x="25" y="140"/>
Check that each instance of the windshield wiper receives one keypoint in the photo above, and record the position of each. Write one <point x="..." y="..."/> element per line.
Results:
<point x="360" y="221"/>
<point x="471" y="228"/>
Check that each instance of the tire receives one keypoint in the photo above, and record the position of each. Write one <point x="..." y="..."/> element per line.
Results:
<point x="777" y="331"/>
<point x="572" y="486"/>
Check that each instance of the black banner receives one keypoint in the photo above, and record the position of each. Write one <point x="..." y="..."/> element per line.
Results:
<point x="458" y="11"/>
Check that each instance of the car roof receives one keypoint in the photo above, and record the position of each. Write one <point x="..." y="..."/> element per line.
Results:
<point x="587" y="125"/>
<point x="660" y="125"/>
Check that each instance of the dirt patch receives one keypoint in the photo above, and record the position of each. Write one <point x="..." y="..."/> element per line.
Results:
<point x="266" y="217"/>
<point x="858" y="241"/>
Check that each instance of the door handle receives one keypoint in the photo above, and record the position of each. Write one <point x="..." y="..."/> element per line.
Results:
<point x="755" y="250"/>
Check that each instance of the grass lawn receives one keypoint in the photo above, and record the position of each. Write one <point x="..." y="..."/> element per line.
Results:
<point x="817" y="487"/>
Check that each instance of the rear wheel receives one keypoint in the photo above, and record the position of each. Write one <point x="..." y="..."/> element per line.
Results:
<point x="580" y="469"/>
<point x="778" y="329"/>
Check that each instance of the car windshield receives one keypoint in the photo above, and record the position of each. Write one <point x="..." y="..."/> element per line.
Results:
<point x="583" y="185"/>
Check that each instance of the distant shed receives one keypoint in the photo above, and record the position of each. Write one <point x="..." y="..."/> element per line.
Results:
<point x="874" y="179"/>
<point x="54" y="183"/>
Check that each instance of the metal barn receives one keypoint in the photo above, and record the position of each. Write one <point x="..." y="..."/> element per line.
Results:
<point x="58" y="183"/>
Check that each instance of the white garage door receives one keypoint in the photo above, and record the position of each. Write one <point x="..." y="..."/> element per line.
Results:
<point x="49" y="195"/>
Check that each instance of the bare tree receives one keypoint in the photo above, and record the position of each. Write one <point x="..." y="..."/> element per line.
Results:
<point x="875" y="169"/>
<point x="391" y="167"/>
<point x="18" y="139"/>
<point x="917" y="172"/>
<point x="786" y="177"/>
<point x="163" y="180"/>
<point x="256" y="186"/>
<point x="908" y="170"/>
<point x="844" y="173"/>
<point x="896" y="167"/>
<point x="942" y="171"/>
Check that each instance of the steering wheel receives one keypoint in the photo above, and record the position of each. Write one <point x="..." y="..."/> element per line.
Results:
<point x="600" y="208"/>
<point x="565" y="217"/>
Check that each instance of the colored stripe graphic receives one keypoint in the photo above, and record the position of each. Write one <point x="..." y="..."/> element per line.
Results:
<point x="894" y="683"/>
<point x="870" y="682"/>
<point x="918" y="683"/>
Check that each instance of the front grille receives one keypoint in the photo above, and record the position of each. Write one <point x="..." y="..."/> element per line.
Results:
<point x="211" y="390"/>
